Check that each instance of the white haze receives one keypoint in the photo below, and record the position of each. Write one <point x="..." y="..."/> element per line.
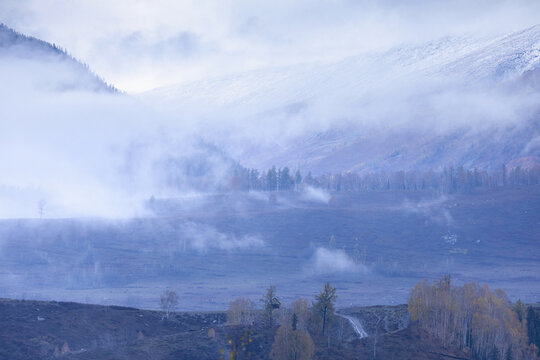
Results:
<point x="310" y="193"/>
<point x="79" y="152"/>
<point x="139" y="45"/>
<point x="85" y="154"/>
<point x="203" y="238"/>
<point x="328" y="261"/>
<point x="436" y="210"/>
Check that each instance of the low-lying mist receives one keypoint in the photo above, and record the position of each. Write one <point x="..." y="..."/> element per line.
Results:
<point x="76" y="153"/>
<point x="372" y="245"/>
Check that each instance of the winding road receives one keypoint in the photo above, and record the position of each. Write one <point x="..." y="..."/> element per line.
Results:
<point x="355" y="323"/>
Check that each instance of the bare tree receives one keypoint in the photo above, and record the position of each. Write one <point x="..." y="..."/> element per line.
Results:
<point x="41" y="207"/>
<point x="241" y="312"/>
<point x="332" y="242"/>
<point x="168" y="301"/>
<point x="340" y="331"/>
<point x="380" y="319"/>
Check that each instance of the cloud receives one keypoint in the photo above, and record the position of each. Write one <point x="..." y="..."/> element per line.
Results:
<point x="327" y="261"/>
<point x="435" y="210"/>
<point x="532" y="147"/>
<point x="203" y="238"/>
<point x="65" y="149"/>
<point x="310" y="193"/>
<point x="91" y="154"/>
<point x="229" y="37"/>
<point x="88" y="154"/>
<point x="183" y="44"/>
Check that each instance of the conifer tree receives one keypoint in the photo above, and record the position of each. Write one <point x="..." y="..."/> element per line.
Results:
<point x="323" y="306"/>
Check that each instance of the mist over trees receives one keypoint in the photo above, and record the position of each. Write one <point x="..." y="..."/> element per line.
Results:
<point x="448" y="180"/>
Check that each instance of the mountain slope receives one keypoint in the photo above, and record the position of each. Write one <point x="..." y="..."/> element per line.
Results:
<point x="35" y="64"/>
<point x="457" y="101"/>
<point x="476" y="60"/>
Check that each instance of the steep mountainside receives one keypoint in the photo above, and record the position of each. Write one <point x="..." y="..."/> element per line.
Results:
<point x="38" y="65"/>
<point x="511" y="55"/>
<point x="458" y="101"/>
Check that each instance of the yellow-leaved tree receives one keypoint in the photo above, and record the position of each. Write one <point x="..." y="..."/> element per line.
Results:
<point x="470" y="317"/>
<point x="291" y="344"/>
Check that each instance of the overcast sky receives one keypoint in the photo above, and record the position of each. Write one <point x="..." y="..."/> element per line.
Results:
<point x="139" y="45"/>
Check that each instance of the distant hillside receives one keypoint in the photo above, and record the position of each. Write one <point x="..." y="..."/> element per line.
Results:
<point x="30" y="61"/>
<point x="394" y="149"/>
<point x="292" y="89"/>
<point x="454" y="101"/>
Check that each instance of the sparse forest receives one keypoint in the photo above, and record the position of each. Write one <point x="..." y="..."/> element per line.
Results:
<point x="448" y="180"/>
<point x="481" y="323"/>
<point x="474" y="318"/>
<point x="468" y="322"/>
<point x="292" y="339"/>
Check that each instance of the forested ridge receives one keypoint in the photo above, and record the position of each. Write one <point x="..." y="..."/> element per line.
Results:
<point x="449" y="180"/>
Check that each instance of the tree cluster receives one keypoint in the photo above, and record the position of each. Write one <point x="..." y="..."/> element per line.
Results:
<point x="447" y="180"/>
<point x="274" y="179"/>
<point x="297" y="323"/>
<point x="241" y="312"/>
<point x="292" y="344"/>
<point x="292" y="340"/>
<point x="471" y="317"/>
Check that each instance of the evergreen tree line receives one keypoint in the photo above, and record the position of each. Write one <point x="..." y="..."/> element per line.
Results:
<point x="474" y="318"/>
<point x="448" y="180"/>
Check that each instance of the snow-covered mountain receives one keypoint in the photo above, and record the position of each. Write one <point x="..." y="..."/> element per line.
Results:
<point x="28" y="63"/>
<point x="458" y="100"/>
<point x="475" y="60"/>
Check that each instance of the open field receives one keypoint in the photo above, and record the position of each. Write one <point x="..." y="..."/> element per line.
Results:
<point x="212" y="249"/>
